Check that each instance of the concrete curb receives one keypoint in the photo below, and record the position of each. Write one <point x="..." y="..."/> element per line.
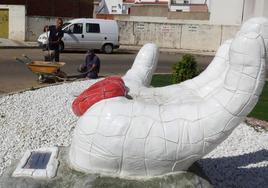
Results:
<point x="59" y="83"/>
<point x="13" y="44"/>
<point x="19" y="47"/>
<point x="44" y="85"/>
<point x="170" y="50"/>
<point x="33" y="88"/>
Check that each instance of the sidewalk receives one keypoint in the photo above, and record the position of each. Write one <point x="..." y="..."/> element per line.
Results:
<point x="7" y="43"/>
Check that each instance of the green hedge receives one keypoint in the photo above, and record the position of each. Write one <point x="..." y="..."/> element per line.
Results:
<point x="185" y="69"/>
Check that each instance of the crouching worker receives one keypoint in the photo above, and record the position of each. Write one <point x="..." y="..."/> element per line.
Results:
<point x="91" y="67"/>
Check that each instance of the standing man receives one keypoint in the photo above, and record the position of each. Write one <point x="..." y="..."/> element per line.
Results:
<point x="91" y="67"/>
<point x="55" y="36"/>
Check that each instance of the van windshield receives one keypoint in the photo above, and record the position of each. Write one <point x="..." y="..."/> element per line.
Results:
<point x="65" y="24"/>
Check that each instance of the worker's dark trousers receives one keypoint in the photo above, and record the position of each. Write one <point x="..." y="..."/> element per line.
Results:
<point x="57" y="55"/>
<point x="82" y="69"/>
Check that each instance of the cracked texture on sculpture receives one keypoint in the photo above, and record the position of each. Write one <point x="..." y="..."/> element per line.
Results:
<point x="164" y="130"/>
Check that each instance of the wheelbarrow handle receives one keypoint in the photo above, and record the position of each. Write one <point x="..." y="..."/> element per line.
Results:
<point x="20" y="61"/>
<point x="27" y="58"/>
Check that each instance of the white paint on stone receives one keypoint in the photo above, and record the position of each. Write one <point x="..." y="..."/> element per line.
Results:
<point x="203" y="119"/>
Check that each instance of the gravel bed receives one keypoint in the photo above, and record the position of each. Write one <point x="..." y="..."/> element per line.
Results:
<point x="41" y="118"/>
<point x="35" y="119"/>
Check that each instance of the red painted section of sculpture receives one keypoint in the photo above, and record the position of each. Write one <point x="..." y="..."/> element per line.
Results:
<point x="105" y="89"/>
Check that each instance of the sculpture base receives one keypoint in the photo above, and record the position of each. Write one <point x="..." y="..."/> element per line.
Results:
<point x="69" y="178"/>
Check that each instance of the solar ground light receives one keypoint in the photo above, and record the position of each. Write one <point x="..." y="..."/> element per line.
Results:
<point x="40" y="163"/>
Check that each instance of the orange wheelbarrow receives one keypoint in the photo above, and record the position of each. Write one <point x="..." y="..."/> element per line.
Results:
<point x="46" y="71"/>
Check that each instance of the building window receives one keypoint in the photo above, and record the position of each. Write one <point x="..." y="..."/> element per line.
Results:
<point x="114" y="8"/>
<point x="178" y="2"/>
<point x="92" y="28"/>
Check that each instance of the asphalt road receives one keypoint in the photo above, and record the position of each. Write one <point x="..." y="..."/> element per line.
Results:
<point x="15" y="76"/>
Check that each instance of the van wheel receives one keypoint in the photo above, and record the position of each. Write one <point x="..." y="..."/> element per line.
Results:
<point x="61" y="47"/>
<point x="108" y="48"/>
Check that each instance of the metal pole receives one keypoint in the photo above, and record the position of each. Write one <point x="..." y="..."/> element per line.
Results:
<point x="243" y="11"/>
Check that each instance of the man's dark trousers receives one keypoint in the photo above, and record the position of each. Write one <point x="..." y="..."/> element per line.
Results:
<point x="57" y="54"/>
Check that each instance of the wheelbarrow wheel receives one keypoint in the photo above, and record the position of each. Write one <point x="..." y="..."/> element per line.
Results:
<point x="41" y="78"/>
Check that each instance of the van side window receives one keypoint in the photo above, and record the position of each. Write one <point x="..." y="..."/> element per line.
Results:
<point x="92" y="28"/>
<point x="76" y="28"/>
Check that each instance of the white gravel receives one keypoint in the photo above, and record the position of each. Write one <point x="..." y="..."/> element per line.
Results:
<point x="41" y="118"/>
<point x="35" y="119"/>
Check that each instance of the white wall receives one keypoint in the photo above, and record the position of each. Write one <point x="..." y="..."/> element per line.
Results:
<point x="35" y="25"/>
<point x="265" y="8"/>
<point x="177" y="36"/>
<point x="255" y="8"/>
<point x="17" y="22"/>
<point x="226" y="12"/>
<point x="235" y="12"/>
<point x="117" y="3"/>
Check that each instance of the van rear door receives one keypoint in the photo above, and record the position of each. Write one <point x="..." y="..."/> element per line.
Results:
<point x="93" y="36"/>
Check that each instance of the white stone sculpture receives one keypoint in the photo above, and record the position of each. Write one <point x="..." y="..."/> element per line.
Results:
<point x="164" y="130"/>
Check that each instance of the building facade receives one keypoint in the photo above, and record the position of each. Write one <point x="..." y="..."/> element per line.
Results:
<point x="24" y="19"/>
<point x="216" y="12"/>
<point x="195" y="29"/>
<point x="12" y="22"/>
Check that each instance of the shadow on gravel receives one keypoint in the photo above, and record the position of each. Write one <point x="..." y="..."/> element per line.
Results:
<point x="238" y="171"/>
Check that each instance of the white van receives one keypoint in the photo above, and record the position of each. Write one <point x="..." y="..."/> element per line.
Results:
<point x="84" y="33"/>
